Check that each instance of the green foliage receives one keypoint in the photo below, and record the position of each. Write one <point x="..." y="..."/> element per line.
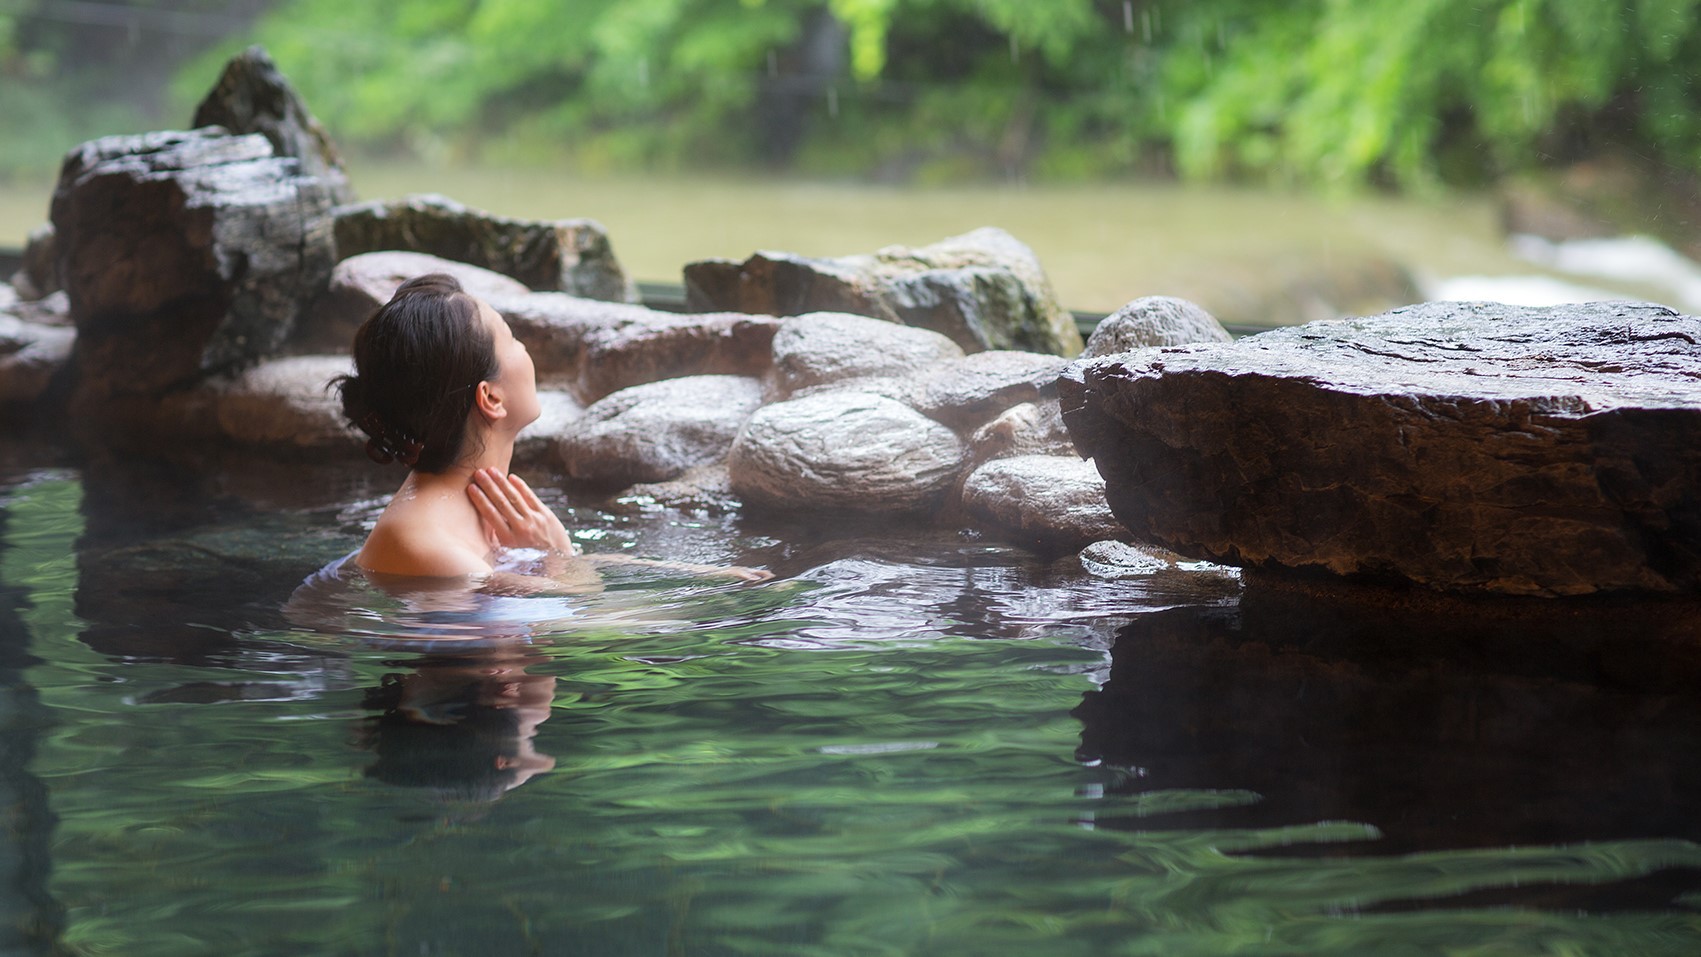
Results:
<point x="1331" y="92"/>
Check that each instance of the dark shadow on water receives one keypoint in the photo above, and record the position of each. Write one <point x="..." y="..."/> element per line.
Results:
<point x="1444" y="724"/>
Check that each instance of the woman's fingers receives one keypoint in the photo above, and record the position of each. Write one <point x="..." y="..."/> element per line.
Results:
<point x="489" y="513"/>
<point x="514" y="512"/>
<point x="525" y="492"/>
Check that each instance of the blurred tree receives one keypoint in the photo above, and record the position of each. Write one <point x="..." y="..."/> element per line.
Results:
<point x="1317" y="91"/>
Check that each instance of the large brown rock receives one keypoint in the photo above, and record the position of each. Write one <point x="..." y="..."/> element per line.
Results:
<point x="563" y="255"/>
<point x="252" y="96"/>
<point x="984" y="289"/>
<point x="184" y="254"/>
<point x="1464" y="446"/>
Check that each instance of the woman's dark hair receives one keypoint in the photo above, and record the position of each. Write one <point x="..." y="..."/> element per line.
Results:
<point x="417" y="364"/>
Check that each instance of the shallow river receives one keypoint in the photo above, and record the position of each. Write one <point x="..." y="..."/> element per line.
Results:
<point x="908" y="743"/>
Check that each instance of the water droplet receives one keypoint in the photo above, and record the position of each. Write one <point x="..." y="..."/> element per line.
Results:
<point x="1146" y="24"/>
<point x="1015" y="52"/>
<point x="1128" y="16"/>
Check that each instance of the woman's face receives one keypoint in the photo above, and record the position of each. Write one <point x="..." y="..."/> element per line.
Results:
<point x="516" y="374"/>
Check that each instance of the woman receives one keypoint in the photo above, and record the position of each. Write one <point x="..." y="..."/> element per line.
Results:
<point x="442" y="386"/>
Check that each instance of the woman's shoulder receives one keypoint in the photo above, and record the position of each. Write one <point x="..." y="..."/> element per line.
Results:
<point x="414" y="549"/>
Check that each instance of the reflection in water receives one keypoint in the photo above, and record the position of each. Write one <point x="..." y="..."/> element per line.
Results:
<point x="1443" y="725"/>
<point x="461" y="726"/>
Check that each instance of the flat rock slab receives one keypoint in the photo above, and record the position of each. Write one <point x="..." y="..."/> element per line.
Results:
<point x="1461" y="446"/>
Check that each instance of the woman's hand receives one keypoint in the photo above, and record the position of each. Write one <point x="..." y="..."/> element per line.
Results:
<point x="514" y="516"/>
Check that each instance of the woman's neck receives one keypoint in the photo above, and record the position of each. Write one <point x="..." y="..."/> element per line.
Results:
<point x="496" y="451"/>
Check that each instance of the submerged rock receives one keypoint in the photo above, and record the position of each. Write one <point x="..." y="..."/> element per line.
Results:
<point x="984" y="290"/>
<point x="252" y="96"/>
<point x="844" y="450"/>
<point x="1154" y="321"/>
<point x="1055" y="500"/>
<point x="184" y="254"/>
<point x="1466" y="446"/>
<point x="563" y="255"/>
<point x="360" y="284"/>
<point x="657" y="431"/>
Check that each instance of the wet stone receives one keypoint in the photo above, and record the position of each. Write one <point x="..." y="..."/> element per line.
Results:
<point x="827" y="347"/>
<point x="183" y="254"/>
<point x="564" y="255"/>
<point x="252" y="96"/>
<point x="360" y="284"/>
<point x="1054" y="500"/>
<point x="844" y="450"/>
<point x="1154" y="321"/>
<point x="657" y="431"/>
<point x="983" y="290"/>
<point x="1460" y="446"/>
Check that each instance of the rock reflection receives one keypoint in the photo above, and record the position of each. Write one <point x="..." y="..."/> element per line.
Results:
<point x="1444" y="724"/>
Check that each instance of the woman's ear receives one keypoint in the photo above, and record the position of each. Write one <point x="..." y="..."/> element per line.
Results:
<point x="487" y="398"/>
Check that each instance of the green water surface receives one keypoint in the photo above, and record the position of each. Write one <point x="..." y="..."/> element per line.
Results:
<point x="876" y="754"/>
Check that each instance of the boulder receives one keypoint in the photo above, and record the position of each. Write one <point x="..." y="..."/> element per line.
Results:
<point x="596" y="348"/>
<point x="830" y="347"/>
<point x="844" y="450"/>
<point x="1467" y="446"/>
<point x="360" y="284"/>
<point x="1055" y="500"/>
<point x="535" y="448"/>
<point x="31" y="354"/>
<point x="563" y="255"/>
<point x="1032" y="428"/>
<point x="282" y="404"/>
<point x="657" y="431"/>
<point x="965" y="393"/>
<point x="984" y="290"/>
<point x="38" y="276"/>
<point x="184" y="254"/>
<point x="1154" y="321"/>
<point x="251" y="96"/>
